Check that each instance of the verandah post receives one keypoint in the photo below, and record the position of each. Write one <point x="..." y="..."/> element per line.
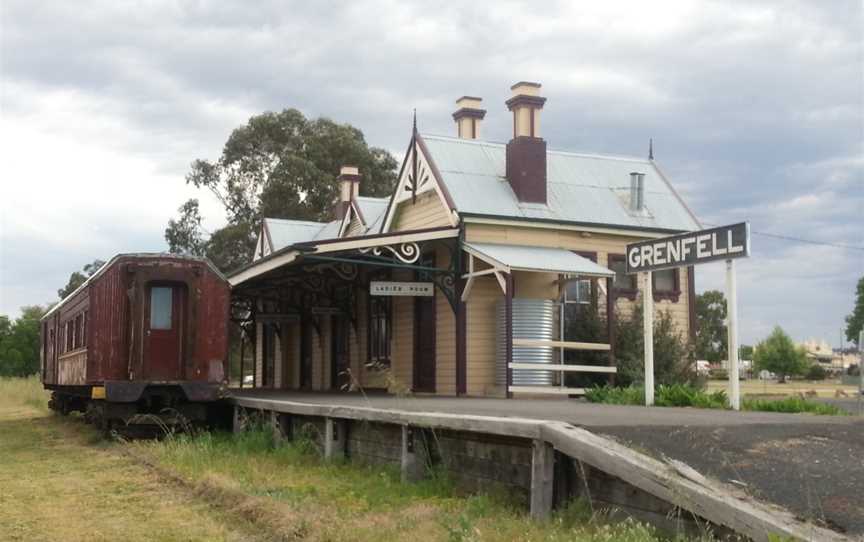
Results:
<point x="610" y="324"/>
<point x="508" y="323"/>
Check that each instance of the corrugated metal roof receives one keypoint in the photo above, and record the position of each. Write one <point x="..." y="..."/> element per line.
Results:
<point x="329" y="231"/>
<point x="525" y="258"/>
<point x="581" y="188"/>
<point x="287" y="232"/>
<point x="373" y="209"/>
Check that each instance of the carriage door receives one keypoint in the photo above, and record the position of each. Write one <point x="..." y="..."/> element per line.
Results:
<point x="163" y="332"/>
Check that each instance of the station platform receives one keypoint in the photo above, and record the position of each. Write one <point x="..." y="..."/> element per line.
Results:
<point x="811" y="465"/>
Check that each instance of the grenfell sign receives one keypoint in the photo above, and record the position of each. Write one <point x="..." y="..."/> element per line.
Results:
<point x="723" y="243"/>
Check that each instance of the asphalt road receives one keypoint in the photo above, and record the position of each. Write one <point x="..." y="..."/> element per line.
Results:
<point x="812" y="465"/>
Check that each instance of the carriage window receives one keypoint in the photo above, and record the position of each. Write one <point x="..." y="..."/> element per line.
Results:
<point x="160" y="307"/>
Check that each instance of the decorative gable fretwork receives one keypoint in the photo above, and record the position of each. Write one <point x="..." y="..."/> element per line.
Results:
<point x="416" y="178"/>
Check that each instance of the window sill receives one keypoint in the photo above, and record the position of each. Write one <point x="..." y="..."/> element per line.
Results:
<point x="667" y="296"/>
<point x="627" y="294"/>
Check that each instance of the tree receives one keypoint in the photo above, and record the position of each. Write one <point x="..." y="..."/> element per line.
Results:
<point x="77" y="278"/>
<point x="711" y="336"/>
<point x="855" y="321"/>
<point x="746" y="351"/>
<point x="778" y="354"/>
<point x="184" y="234"/>
<point x="19" y="342"/>
<point x="279" y="165"/>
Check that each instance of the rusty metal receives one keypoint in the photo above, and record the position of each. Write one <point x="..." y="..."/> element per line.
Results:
<point x="115" y="302"/>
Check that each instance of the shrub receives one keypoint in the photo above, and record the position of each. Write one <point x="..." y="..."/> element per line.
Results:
<point x="673" y="362"/>
<point x="616" y="396"/>
<point x="792" y="405"/>
<point x="682" y="395"/>
<point x="816" y="372"/>
<point x="719" y="374"/>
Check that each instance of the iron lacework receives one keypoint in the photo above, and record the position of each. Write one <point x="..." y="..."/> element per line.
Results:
<point x="444" y="278"/>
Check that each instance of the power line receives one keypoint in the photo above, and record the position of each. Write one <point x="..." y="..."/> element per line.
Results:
<point x="799" y="239"/>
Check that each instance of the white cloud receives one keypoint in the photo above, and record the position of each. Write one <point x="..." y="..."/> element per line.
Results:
<point x="755" y="108"/>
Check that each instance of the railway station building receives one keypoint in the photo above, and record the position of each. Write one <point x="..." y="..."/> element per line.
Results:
<point x="472" y="277"/>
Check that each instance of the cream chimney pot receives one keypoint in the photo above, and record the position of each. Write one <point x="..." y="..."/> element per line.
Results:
<point x="349" y="188"/>
<point x="526" y="105"/>
<point x="468" y="117"/>
<point x="526" y="152"/>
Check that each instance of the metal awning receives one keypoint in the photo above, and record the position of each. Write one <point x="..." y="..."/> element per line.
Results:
<point x="504" y="259"/>
<point x="539" y="259"/>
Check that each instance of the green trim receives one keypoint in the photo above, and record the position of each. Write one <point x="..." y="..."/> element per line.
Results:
<point x="552" y="221"/>
<point x="377" y="263"/>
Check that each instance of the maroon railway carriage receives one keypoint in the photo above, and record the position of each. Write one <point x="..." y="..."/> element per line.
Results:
<point x="146" y="334"/>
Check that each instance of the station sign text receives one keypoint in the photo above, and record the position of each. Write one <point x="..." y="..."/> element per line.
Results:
<point x="723" y="243"/>
<point x="410" y="289"/>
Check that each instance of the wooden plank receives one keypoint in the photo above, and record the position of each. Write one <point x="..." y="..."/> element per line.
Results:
<point x="565" y="368"/>
<point x="542" y="478"/>
<point x="555" y="390"/>
<point x="517" y="427"/>
<point x="567" y="345"/>
<point x="710" y="500"/>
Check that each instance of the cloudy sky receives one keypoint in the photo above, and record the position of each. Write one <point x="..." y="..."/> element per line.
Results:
<point x="755" y="109"/>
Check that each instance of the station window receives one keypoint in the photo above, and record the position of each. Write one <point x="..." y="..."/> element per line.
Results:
<point x="666" y="285"/>
<point x="625" y="285"/>
<point x="160" y="307"/>
<point x="380" y="308"/>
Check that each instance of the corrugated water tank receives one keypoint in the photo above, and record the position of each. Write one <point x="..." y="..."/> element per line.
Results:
<point x="532" y="319"/>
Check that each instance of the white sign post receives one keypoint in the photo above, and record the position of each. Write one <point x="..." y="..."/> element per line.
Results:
<point x="724" y="243"/>
<point x="860" y="370"/>
<point x="732" y="329"/>
<point x="648" y="326"/>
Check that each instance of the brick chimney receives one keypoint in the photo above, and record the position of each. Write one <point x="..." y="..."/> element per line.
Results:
<point x="349" y="189"/>
<point x="468" y="117"/>
<point x="526" y="152"/>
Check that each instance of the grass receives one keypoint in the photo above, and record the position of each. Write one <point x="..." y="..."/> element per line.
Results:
<point x="20" y="396"/>
<point x="59" y="481"/>
<point x="681" y="395"/>
<point x="822" y="388"/>
<point x="792" y="404"/>
<point x="342" y="501"/>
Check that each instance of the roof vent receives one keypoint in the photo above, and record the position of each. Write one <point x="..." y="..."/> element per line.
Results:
<point x="637" y="192"/>
<point x="468" y="117"/>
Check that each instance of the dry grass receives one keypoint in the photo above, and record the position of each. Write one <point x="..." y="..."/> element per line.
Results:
<point x="58" y="481"/>
<point x="342" y="501"/>
<point x="823" y="388"/>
